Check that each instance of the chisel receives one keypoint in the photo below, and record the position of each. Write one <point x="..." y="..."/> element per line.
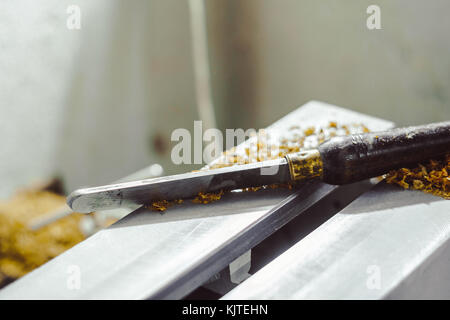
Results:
<point x="339" y="160"/>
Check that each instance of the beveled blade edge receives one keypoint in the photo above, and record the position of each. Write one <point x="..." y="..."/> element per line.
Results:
<point x="179" y="186"/>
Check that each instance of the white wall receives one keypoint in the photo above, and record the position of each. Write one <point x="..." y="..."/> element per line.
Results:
<point x="89" y="104"/>
<point x="323" y="50"/>
<point x="36" y="56"/>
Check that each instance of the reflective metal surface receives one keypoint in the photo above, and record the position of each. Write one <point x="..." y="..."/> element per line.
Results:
<point x="149" y="255"/>
<point x="389" y="243"/>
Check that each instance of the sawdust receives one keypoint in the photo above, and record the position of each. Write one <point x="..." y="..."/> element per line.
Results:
<point x="22" y="249"/>
<point x="208" y="197"/>
<point x="432" y="177"/>
<point x="162" y="205"/>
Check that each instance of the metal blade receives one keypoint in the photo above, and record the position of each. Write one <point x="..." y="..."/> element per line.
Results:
<point x="179" y="186"/>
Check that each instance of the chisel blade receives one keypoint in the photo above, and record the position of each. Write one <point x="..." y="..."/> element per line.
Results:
<point x="179" y="186"/>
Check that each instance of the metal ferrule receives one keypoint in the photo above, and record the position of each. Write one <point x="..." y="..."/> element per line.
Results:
<point x="305" y="165"/>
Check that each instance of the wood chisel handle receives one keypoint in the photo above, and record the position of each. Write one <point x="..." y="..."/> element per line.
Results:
<point x="357" y="157"/>
<point x="348" y="159"/>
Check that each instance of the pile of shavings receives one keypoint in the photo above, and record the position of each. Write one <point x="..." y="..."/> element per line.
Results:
<point x="432" y="177"/>
<point x="23" y="249"/>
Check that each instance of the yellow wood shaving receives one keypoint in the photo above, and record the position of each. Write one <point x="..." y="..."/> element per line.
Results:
<point x="22" y="249"/>
<point x="431" y="178"/>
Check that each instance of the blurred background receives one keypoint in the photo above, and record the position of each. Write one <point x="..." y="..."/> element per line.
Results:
<point x="94" y="104"/>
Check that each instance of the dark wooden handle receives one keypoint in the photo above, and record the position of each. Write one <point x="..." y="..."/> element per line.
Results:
<point x="356" y="157"/>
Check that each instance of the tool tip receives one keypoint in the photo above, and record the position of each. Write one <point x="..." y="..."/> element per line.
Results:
<point x="74" y="201"/>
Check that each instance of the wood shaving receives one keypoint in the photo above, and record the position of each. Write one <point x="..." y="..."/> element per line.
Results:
<point x="432" y="177"/>
<point x="162" y="205"/>
<point x="208" y="197"/>
<point x="22" y="249"/>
